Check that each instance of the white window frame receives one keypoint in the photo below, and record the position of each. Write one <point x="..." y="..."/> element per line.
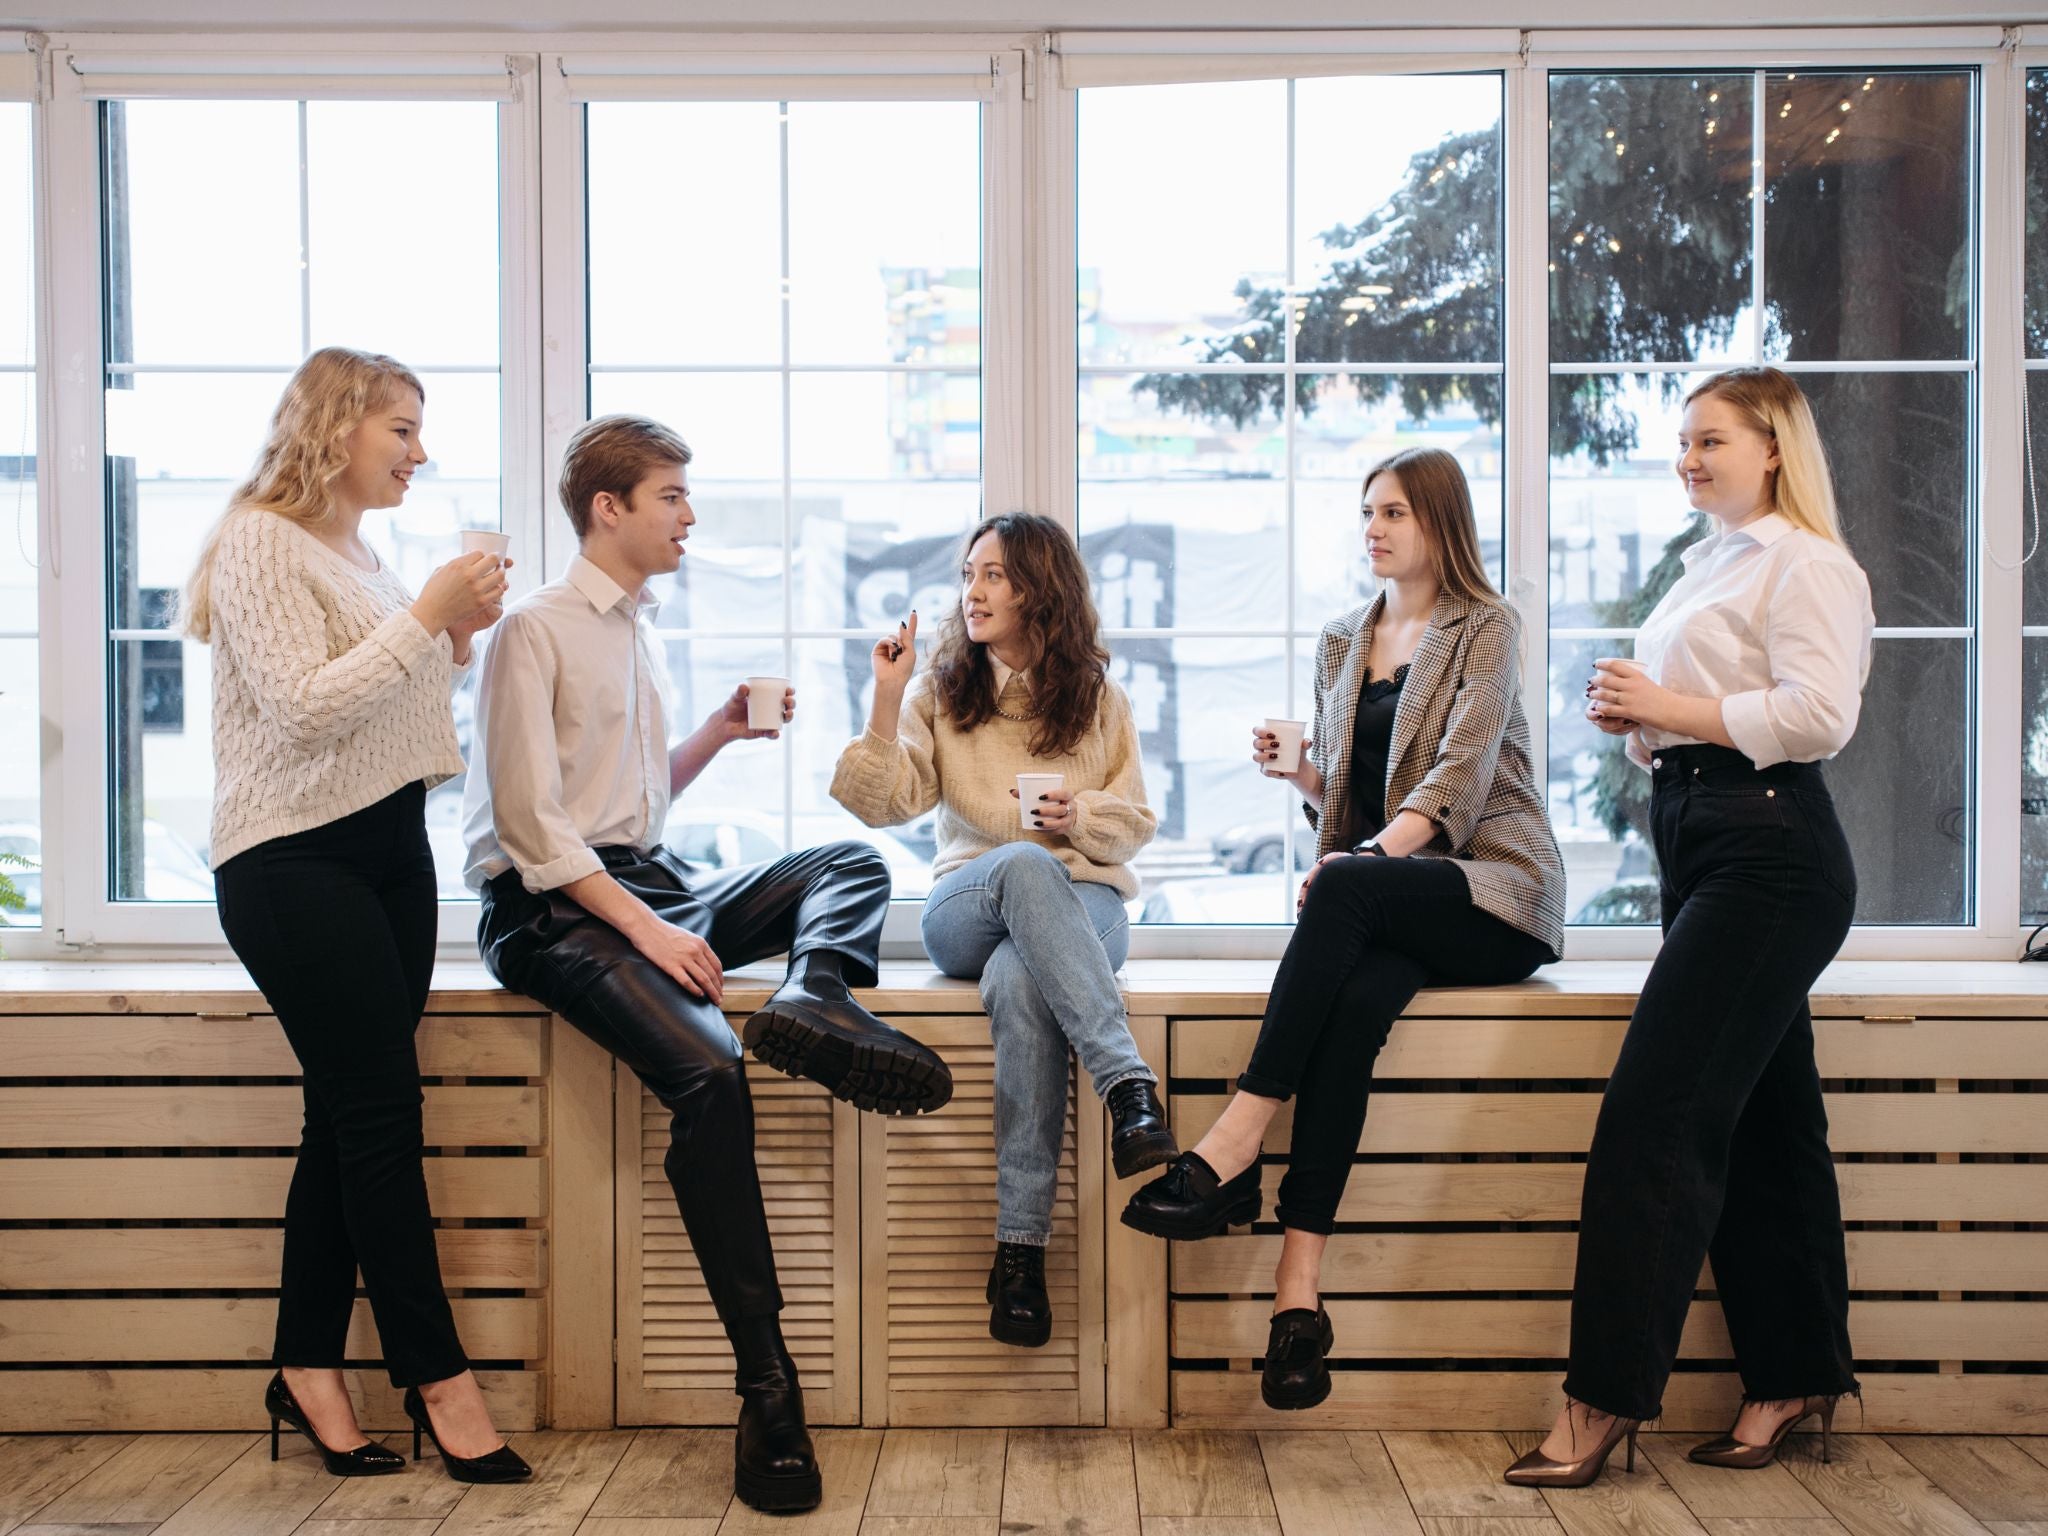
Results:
<point x="1029" y="362"/>
<point x="1994" y="932"/>
<point x="1000" y="72"/>
<point x="80" y="916"/>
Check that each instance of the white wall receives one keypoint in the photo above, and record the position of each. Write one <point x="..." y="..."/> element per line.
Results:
<point x="1004" y="15"/>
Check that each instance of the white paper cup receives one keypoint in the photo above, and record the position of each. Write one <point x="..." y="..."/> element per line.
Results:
<point x="1290" y="733"/>
<point x="764" y="703"/>
<point x="1029" y="787"/>
<point x="483" y="541"/>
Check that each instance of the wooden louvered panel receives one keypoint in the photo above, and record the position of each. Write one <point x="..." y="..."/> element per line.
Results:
<point x="674" y="1365"/>
<point x="928" y="1237"/>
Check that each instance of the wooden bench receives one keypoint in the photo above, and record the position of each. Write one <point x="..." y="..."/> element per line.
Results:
<point x="147" y="1115"/>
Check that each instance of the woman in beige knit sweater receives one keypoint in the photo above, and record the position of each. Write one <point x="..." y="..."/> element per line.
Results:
<point x="331" y="721"/>
<point x="1019" y="685"/>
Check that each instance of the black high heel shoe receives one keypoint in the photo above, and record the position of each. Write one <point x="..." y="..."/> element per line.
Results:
<point x="504" y="1465"/>
<point x="371" y="1460"/>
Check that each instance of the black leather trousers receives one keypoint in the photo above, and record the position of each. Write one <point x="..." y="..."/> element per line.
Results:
<point x="544" y="945"/>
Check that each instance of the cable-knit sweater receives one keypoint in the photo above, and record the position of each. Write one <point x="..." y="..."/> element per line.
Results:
<point x="328" y="694"/>
<point x="968" y="775"/>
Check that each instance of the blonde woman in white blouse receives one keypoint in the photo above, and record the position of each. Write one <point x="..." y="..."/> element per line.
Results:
<point x="330" y="723"/>
<point x="1712" y="1138"/>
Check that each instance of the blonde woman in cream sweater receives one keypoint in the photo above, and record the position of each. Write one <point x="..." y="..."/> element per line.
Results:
<point x="331" y="722"/>
<point x="1019" y="685"/>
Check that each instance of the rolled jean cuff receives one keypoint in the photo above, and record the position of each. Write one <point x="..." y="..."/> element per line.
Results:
<point x="1264" y="1087"/>
<point x="1138" y="1074"/>
<point x="1305" y="1221"/>
<point x="1019" y="1235"/>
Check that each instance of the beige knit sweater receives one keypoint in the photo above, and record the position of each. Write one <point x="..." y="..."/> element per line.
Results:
<point x="328" y="694"/>
<point x="968" y="775"/>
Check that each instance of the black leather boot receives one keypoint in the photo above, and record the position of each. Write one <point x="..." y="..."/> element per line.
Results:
<point x="1139" y="1137"/>
<point x="1019" y="1310"/>
<point x="1297" y="1373"/>
<point x="774" y="1468"/>
<point x="838" y="1044"/>
<point x="1188" y="1201"/>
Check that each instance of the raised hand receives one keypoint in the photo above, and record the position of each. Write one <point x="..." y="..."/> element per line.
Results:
<point x="895" y="657"/>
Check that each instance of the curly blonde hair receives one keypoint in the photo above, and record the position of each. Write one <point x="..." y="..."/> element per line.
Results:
<point x="333" y="392"/>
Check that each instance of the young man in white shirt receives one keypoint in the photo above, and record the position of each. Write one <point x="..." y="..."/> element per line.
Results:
<point x="586" y="911"/>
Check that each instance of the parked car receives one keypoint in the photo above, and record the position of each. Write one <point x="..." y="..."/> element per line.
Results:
<point x="1256" y="848"/>
<point x="1219" y="899"/>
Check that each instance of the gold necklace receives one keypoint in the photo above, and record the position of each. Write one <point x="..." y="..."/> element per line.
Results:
<point x="1029" y="714"/>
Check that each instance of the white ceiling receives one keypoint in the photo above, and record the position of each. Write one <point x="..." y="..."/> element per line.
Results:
<point x="999" y="15"/>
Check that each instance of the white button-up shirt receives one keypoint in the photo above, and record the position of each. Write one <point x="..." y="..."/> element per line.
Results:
<point x="571" y="743"/>
<point x="1773" y="621"/>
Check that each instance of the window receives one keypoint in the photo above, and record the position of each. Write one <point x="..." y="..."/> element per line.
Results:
<point x="1821" y="222"/>
<point x="21" y="769"/>
<point x="239" y="236"/>
<point x="2034" y="612"/>
<point x="809" y="318"/>
<point x="1280" y="283"/>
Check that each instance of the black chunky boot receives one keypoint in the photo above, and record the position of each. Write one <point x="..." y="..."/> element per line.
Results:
<point x="838" y="1044"/>
<point x="774" y="1467"/>
<point x="1019" y="1310"/>
<point x="1139" y="1137"/>
<point x="1297" y="1373"/>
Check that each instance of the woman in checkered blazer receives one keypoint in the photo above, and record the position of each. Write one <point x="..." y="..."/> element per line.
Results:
<point x="1436" y="866"/>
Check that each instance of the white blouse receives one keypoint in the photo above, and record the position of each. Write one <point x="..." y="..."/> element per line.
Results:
<point x="571" y="733"/>
<point x="1773" y="621"/>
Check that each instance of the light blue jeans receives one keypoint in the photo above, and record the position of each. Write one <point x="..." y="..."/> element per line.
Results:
<point x="1046" y="948"/>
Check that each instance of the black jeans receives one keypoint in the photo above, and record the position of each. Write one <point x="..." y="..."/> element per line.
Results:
<point x="1712" y="1136"/>
<point x="543" y="944"/>
<point x="336" y="926"/>
<point x="1373" y="933"/>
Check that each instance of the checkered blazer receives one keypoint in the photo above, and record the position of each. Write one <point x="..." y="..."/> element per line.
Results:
<point x="1459" y="755"/>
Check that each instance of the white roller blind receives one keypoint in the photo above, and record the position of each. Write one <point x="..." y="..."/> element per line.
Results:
<point x="755" y="76"/>
<point x="284" y="76"/>
<point x="17" y="68"/>
<point x="1146" y="58"/>
<point x="1787" y="45"/>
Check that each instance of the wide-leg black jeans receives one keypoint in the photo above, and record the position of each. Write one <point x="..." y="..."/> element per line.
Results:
<point x="1372" y="934"/>
<point x="543" y="944"/>
<point x="337" y="928"/>
<point x="1712" y="1137"/>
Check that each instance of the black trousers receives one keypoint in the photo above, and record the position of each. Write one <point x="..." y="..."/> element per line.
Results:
<point x="543" y="944"/>
<point x="1373" y="933"/>
<point x="1712" y="1137"/>
<point x="336" y="926"/>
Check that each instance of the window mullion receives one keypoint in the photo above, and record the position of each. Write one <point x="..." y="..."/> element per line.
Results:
<point x="1525" y="437"/>
<point x="1999" y="735"/>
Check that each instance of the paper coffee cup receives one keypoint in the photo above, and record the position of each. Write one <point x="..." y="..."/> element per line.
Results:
<point x="764" y="703"/>
<point x="1290" y="733"/>
<point x="483" y="541"/>
<point x="1029" y="787"/>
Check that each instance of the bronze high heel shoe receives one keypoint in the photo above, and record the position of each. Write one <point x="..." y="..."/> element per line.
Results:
<point x="1727" y="1451"/>
<point x="1537" y="1470"/>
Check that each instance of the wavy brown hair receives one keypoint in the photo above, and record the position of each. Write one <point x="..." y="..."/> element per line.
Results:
<point x="1068" y="665"/>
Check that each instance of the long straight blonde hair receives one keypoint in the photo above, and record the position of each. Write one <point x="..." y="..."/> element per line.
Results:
<point x="1441" y="500"/>
<point x="1802" y="488"/>
<point x="333" y="392"/>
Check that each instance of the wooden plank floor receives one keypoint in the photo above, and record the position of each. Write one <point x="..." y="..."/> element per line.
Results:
<point x="982" y="1482"/>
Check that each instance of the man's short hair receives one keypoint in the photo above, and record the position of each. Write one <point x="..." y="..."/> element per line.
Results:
<point x="614" y="453"/>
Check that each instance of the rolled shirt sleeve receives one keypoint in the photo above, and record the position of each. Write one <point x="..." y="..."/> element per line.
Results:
<point x="1817" y="638"/>
<point x="516" y="729"/>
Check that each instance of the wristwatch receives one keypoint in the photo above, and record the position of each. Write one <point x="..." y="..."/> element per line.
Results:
<point x="1370" y="846"/>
